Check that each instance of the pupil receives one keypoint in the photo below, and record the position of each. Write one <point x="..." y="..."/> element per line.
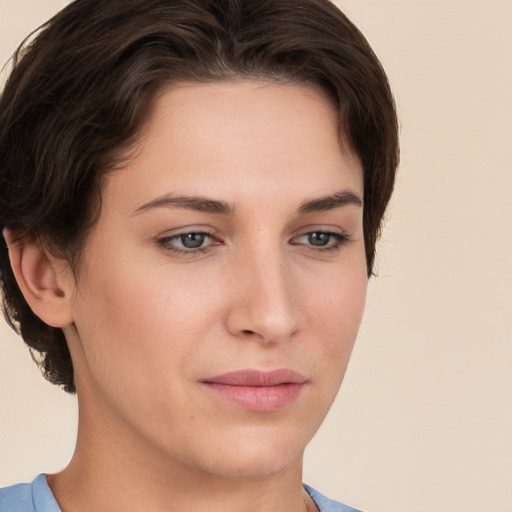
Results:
<point x="192" y="240"/>
<point x="319" y="239"/>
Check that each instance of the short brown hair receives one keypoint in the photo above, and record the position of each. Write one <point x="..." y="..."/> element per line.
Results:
<point x="79" y="90"/>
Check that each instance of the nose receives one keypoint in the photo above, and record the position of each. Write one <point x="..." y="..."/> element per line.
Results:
<point x="264" y="304"/>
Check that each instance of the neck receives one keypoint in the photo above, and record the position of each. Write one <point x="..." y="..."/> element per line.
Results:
<point x="113" y="469"/>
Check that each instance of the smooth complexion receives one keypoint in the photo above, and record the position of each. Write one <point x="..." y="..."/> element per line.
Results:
<point x="218" y="300"/>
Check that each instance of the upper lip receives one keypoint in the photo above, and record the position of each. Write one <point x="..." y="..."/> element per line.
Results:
<point x="258" y="378"/>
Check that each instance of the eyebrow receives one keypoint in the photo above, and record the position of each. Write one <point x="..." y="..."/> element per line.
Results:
<point x="329" y="202"/>
<point x="197" y="203"/>
<point x="207" y="205"/>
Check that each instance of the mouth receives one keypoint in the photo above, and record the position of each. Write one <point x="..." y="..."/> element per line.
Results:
<point x="263" y="391"/>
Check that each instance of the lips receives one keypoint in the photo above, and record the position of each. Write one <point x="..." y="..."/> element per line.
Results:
<point x="258" y="390"/>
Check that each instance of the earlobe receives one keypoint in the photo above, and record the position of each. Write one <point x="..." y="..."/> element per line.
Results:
<point x="41" y="279"/>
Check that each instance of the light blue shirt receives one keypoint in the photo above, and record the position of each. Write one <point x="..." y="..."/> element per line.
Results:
<point x="37" y="497"/>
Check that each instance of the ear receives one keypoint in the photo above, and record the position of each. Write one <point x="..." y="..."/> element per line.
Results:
<point x="44" y="280"/>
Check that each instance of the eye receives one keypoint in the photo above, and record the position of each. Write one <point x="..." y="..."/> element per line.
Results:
<point x="189" y="242"/>
<point x="318" y="239"/>
<point x="321" y="240"/>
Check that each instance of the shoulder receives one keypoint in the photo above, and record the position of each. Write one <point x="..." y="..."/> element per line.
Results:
<point x="327" y="505"/>
<point x="33" y="497"/>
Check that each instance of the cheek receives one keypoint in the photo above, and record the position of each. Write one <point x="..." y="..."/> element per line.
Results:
<point x="338" y="299"/>
<point x="137" y="334"/>
<point x="336" y="316"/>
<point x="142" y="315"/>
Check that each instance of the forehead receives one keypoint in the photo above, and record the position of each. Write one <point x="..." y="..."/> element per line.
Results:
<point x="238" y="136"/>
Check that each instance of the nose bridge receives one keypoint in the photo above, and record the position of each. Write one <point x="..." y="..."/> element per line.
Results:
<point x="267" y="306"/>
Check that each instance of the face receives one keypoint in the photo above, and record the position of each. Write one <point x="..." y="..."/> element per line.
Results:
<point x="222" y="288"/>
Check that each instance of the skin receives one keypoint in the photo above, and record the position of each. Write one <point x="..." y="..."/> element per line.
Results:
<point x="149" y="319"/>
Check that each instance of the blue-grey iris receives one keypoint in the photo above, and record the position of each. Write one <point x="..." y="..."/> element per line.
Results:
<point x="192" y="240"/>
<point x="319" y="239"/>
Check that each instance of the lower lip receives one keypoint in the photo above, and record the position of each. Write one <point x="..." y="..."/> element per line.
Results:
<point x="258" y="398"/>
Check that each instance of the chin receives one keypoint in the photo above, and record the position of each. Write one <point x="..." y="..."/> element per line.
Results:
<point x="258" y="469"/>
<point x="258" y="458"/>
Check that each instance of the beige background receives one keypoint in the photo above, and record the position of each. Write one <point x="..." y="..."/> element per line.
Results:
<point x="424" y="419"/>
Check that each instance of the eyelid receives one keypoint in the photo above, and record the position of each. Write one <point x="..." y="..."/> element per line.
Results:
<point x="185" y="230"/>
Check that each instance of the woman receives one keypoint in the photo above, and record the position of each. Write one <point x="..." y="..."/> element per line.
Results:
<point x="182" y="189"/>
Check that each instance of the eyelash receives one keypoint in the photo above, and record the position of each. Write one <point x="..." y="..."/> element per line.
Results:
<point x="166" y="242"/>
<point x="339" y="240"/>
